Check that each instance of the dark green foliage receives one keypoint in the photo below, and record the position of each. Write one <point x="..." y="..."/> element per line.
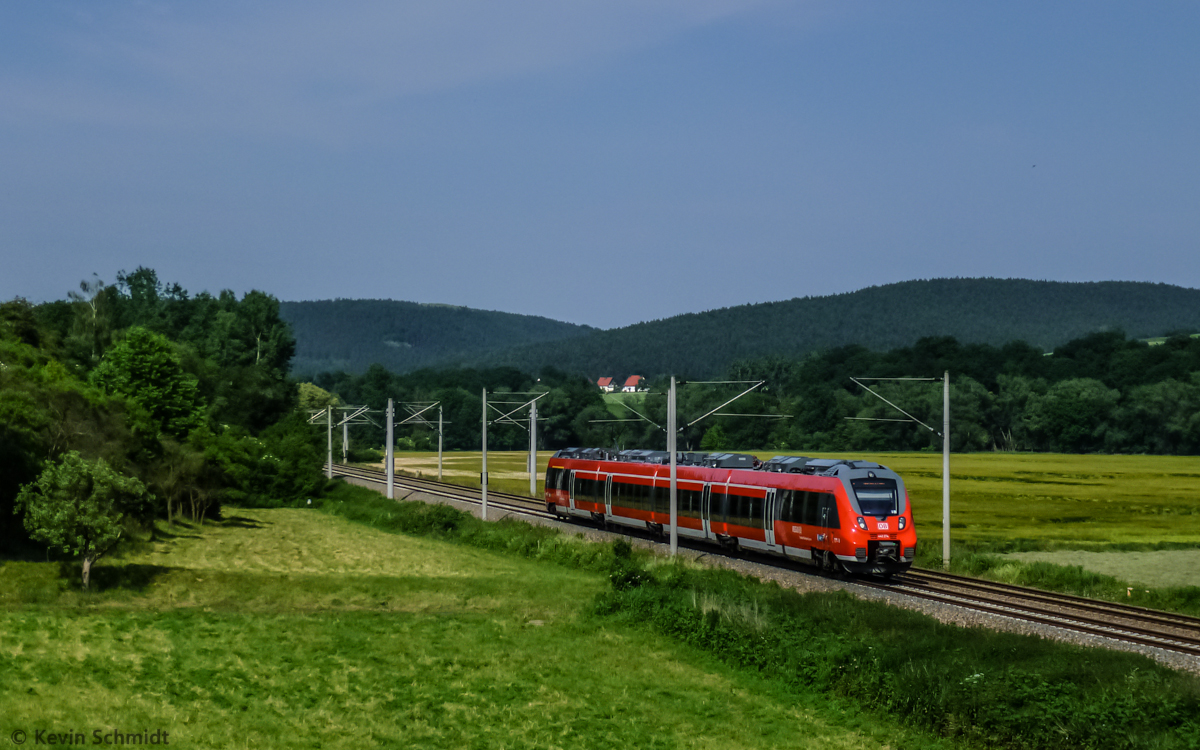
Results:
<point x="351" y="335"/>
<point x="45" y="412"/>
<point x="77" y="507"/>
<point x="144" y="368"/>
<point x="190" y="394"/>
<point x="1046" y="314"/>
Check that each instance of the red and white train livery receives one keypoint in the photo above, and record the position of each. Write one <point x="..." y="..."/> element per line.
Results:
<point x="838" y="514"/>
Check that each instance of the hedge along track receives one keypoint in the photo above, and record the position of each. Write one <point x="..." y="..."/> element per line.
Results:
<point x="1137" y="625"/>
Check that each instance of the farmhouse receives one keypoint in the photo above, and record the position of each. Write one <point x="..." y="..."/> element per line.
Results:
<point x="606" y="385"/>
<point x="632" y="384"/>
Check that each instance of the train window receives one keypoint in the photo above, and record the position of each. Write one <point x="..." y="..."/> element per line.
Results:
<point x="744" y="511"/>
<point x="812" y="508"/>
<point x="552" y="477"/>
<point x="829" y="511"/>
<point x="589" y="490"/>
<point x="876" y="496"/>
<point x="738" y="512"/>
<point x="754" y="514"/>
<point x="630" y="495"/>
<point x="689" y="502"/>
<point x="718" y="503"/>
<point x="783" y="506"/>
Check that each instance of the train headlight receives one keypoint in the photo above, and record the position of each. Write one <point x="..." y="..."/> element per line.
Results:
<point x="862" y="524"/>
<point x="902" y="523"/>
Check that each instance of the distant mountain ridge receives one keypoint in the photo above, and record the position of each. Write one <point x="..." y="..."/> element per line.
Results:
<point x="351" y="335"/>
<point x="991" y="311"/>
<point x="404" y="336"/>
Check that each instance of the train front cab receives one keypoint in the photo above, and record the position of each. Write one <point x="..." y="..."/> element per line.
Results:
<point x="877" y="536"/>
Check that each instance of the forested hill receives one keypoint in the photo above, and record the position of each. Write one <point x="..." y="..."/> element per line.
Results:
<point x="351" y="335"/>
<point x="990" y="311"/>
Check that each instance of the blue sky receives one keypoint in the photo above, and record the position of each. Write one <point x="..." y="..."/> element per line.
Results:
<point x="595" y="162"/>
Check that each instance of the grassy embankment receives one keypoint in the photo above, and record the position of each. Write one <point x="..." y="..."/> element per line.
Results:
<point x="1018" y="518"/>
<point x="289" y="627"/>
<point x="292" y="628"/>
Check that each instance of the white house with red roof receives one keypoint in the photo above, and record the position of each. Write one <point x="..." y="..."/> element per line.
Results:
<point x="632" y="384"/>
<point x="606" y="384"/>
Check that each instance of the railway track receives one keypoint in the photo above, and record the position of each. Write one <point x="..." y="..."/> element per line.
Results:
<point x="1145" y="627"/>
<point x="499" y="500"/>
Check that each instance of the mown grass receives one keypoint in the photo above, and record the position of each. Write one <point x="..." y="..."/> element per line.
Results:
<point x="286" y="628"/>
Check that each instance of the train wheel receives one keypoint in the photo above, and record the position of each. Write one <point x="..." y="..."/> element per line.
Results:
<point x="829" y="562"/>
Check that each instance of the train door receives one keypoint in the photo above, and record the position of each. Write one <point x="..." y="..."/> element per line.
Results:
<point x="570" y="476"/>
<point x="768" y="518"/>
<point x="705" y="502"/>
<point x="823" y="510"/>
<point x="608" y="494"/>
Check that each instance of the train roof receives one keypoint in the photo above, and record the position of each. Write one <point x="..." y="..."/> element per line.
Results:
<point x="778" y="464"/>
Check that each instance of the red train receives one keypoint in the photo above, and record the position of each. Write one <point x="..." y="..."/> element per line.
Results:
<point x="838" y="514"/>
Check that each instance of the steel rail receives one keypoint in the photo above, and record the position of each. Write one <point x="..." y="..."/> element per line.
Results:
<point x="1068" y="600"/>
<point x="513" y="503"/>
<point x="1075" y="623"/>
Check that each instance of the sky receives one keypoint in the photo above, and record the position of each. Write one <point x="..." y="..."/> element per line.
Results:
<point x="598" y="162"/>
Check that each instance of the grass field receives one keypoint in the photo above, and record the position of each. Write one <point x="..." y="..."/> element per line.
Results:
<point x="294" y="628"/>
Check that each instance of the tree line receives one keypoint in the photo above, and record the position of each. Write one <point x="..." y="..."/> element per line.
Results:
<point x="137" y="401"/>
<point x="1045" y="314"/>
<point x="1103" y="392"/>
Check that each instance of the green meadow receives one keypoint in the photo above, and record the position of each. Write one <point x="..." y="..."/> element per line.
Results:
<point x="294" y="628"/>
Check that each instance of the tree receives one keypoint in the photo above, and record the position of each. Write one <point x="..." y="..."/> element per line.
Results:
<point x="93" y="324"/>
<point x="145" y="369"/>
<point x="315" y="397"/>
<point x="78" y="506"/>
<point x="1073" y="415"/>
<point x="714" y="439"/>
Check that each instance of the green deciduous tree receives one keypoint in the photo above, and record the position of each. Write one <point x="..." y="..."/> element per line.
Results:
<point x="77" y="506"/>
<point x="1073" y="415"/>
<point x="146" y="369"/>
<point x="714" y="439"/>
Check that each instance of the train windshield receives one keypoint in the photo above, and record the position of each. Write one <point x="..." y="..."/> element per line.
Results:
<point x="876" y="497"/>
